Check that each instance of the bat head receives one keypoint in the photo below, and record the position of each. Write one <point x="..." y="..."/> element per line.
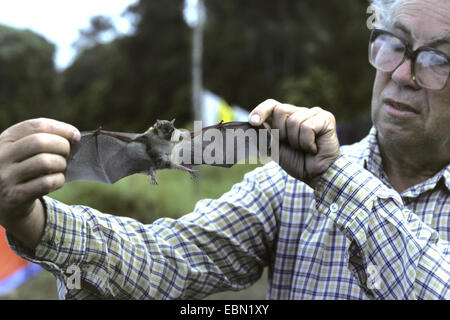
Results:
<point x="164" y="128"/>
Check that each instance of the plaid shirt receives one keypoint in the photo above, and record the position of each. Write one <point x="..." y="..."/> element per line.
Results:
<point x="353" y="237"/>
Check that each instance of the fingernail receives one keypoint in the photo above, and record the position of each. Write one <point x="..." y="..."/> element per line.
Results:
<point x="76" y="136"/>
<point x="254" y="119"/>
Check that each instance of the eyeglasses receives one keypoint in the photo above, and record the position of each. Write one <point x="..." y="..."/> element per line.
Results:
<point x="430" y="68"/>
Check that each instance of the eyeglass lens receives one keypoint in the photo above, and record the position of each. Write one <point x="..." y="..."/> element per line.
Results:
<point x="431" y="70"/>
<point x="387" y="52"/>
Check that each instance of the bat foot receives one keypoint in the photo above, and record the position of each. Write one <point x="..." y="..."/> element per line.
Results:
<point x="153" y="177"/>
<point x="195" y="175"/>
<point x="181" y="167"/>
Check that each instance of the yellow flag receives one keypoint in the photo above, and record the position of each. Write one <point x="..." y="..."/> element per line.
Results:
<point x="225" y="112"/>
<point x="216" y="109"/>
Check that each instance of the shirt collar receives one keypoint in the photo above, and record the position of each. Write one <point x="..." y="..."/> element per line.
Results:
<point x="372" y="157"/>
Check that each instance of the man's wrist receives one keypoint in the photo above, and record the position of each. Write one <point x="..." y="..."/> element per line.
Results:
<point x="29" y="229"/>
<point x="313" y="182"/>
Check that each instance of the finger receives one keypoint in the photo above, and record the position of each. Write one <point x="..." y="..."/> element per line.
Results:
<point x="262" y="112"/>
<point x="293" y="129"/>
<point x="279" y="112"/>
<point x="280" y="115"/>
<point x="267" y="126"/>
<point x="39" y="165"/>
<point x="311" y="129"/>
<point x="41" y="125"/>
<point x="36" y="188"/>
<point x="294" y="122"/>
<point x="34" y="144"/>
<point x="307" y="135"/>
<point x="292" y="161"/>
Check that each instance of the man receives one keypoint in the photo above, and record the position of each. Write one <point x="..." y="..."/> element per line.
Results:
<point x="357" y="222"/>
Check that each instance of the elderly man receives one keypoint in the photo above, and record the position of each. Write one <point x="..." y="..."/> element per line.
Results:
<point x="365" y="221"/>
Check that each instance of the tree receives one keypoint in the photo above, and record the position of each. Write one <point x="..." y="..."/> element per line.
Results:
<point x="100" y="27"/>
<point x="129" y="83"/>
<point x="290" y="50"/>
<point x="28" y="79"/>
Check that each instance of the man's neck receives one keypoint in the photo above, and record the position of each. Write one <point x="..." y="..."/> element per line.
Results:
<point x="406" y="168"/>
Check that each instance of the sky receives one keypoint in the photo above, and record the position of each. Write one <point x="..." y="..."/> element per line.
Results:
<point x="60" y="20"/>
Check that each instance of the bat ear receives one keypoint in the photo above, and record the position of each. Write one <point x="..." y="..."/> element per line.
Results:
<point x="173" y="121"/>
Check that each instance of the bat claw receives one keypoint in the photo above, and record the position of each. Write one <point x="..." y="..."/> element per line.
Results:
<point x="195" y="174"/>
<point x="98" y="130"/>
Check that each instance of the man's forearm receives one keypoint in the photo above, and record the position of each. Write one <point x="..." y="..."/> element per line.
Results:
<point x="29" y="230"/>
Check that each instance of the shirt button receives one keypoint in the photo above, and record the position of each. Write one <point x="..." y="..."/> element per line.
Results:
<point x="334" y="207"/>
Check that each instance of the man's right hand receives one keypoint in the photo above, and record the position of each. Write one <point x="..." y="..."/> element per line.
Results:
<point x="32" y="163"/>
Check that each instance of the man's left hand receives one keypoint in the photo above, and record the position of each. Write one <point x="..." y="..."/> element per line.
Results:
<point x="308" y="138"/>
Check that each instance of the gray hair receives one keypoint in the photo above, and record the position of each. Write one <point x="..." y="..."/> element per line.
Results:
<point x="384" y="11"/>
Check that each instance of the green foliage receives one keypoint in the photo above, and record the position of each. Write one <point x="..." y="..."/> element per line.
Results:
<point x="90" y="89"/>
<point x="317" y="87"/>
<point x="127" y="84"/>
<point x="28" y="79"/>
<point x="99" y="25"/>
<point x="256" y="50"/>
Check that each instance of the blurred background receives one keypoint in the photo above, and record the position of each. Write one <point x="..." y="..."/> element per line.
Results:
<point x="123" y="64"/>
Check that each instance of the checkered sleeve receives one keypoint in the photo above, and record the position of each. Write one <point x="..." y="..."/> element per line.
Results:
<point x="393" y="254"/>
<point x="223" y="244"/>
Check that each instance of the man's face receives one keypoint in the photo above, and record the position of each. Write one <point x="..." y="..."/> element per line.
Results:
<point x="404" y="113"/>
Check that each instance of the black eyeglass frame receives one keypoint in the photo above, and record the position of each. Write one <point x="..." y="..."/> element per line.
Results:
<point x="409" y="54"/>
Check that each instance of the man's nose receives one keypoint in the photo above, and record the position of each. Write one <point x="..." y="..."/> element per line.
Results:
<point x="403" y="75"/>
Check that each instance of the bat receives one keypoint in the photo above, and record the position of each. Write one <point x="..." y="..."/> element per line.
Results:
<point x="107" y="156"/>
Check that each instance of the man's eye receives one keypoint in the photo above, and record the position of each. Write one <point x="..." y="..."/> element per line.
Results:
<point x="395" y="47"/>
<point x="434" y="59"/>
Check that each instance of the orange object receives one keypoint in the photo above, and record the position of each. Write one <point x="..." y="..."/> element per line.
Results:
<point x="9" y="261"/>
<point x="13" y="269"/>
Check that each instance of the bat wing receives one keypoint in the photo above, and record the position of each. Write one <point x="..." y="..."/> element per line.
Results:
<point x="107" y="157"/>
<point x="225" y="145"/>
